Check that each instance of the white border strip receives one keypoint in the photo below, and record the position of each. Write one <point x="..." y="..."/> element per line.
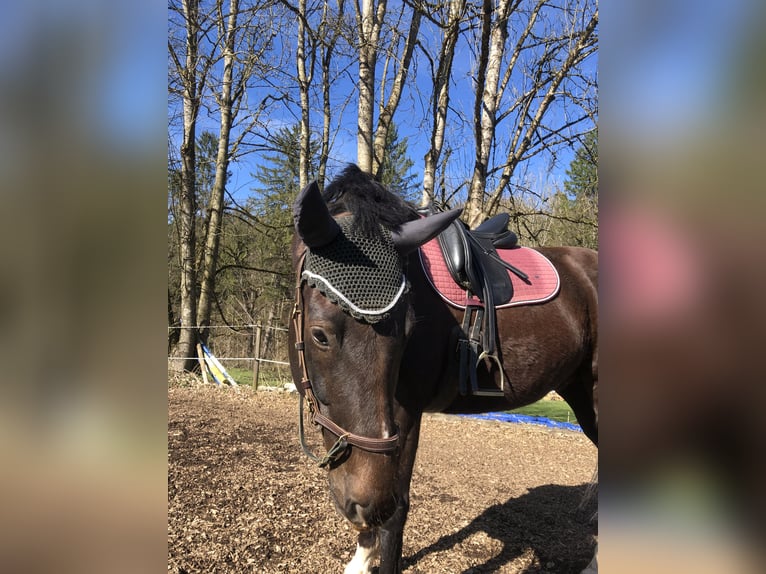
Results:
<point x="356" y="309"/>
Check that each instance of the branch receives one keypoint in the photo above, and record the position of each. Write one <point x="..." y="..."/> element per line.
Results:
<point x="249" y="268"/>
<point x="576" y="54"/>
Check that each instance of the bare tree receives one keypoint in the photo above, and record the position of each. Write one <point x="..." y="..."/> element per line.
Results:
<point x="320" y="26"/>
<point x="369" y="20"/>
<point x="494" y="34"/>
<point x="550" y="43"/>
<point x="211" y="69"/>
<point x="330" y="31"/>
<point x="305" y="65"/>
<point x="389" y="103"/>
<point x="374" y="40"/>
<point x="227" y="30"/>
<point x="187" y="82"/>
<point x="440" y="96"/>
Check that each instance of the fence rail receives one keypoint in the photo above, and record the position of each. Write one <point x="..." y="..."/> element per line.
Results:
<point x="232" y="327"/>
<point x="231" y="359"/>
<point x="267" y="349"/>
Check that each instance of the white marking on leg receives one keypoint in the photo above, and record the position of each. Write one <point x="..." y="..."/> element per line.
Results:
<point x="592" y="568"/>
<point x="361" y="563"/>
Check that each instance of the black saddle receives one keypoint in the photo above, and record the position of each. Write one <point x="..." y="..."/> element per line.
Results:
<point x="472" y="259"/>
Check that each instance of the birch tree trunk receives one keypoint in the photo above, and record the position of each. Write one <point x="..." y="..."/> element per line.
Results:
<point x="369" y="21"/>
<point x="225" y="63"/>
<point x="548" y="46"/>
<point x="305" y="74"/>
<point x="316" y="43"/>
<point x="212" y="242"/>
<point x="580" y="48"/>
<point x="494" y="35"/>
<point x="187" y="75"/>
<point x="385" y="117"/>
<point x="440" y="97"/>
<point x="328" y="34"/>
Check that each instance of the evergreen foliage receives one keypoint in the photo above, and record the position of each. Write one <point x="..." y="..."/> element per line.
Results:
<point x="583" y="171"/>
<point x="576" y="209"/>
<point x="395" y="168"/>
<point x="277" y="182"/>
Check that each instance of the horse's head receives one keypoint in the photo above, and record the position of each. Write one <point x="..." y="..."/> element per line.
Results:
<point x="352" y="323"/>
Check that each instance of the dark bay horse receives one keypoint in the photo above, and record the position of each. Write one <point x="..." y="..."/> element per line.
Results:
<point x="370" y="348"/>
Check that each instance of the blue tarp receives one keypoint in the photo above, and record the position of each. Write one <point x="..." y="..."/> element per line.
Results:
<point x="514" y="418"/>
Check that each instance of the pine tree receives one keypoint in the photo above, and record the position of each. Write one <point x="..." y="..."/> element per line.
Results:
<point x="583" y="171"/>
<point x="277" y="185"/>
<point x="575" y="211"/>
<point x="279" y="174"/>
<point x="396" y="165"/>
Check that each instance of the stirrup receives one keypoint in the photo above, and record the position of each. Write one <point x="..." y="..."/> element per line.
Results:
<point x="493" y="357"/>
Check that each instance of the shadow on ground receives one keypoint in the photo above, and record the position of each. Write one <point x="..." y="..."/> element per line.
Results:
<point x="552" y="521"/>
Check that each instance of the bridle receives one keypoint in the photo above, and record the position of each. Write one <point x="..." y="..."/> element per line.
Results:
<point x="345" y="439"/>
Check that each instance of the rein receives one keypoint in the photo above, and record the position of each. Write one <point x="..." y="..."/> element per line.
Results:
<point x="345" y="439"/>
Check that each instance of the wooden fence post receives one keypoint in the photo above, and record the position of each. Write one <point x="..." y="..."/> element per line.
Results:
<point x="202" y="365"/>
<point x="257" y="358"/>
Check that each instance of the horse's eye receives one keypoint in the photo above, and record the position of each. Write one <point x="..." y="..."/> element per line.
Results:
<point x="319" y="336"/>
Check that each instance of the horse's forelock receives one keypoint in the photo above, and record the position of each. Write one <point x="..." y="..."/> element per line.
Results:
<point x="369" y="202"/>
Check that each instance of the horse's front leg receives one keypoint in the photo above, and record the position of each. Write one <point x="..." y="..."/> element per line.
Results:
<point x="392" y="532"/>
<point x="391" y="537"/>
<point x="367" y="550"/>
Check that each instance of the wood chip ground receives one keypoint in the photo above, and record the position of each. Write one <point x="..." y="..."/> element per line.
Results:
<point x="486" y="496"/>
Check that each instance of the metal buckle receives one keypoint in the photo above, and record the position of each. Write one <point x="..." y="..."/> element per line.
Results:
<point x="336" y="451"/>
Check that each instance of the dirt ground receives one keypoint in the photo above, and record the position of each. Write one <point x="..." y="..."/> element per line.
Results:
<point x="486" y="496"/>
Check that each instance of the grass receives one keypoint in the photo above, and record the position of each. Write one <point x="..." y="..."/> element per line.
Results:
<point x="271" y="377"/>
<point x="267" y="378"/>
<point x="554" y="410"/>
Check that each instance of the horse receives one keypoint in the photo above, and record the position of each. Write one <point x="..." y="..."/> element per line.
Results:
<point x="370" y="349"/>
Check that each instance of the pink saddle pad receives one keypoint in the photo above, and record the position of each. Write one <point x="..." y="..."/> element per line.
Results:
<point x="543" y="278"/>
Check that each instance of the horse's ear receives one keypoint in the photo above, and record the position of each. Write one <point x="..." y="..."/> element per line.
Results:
<point x="413" y="234"/>
<point x="312" y="219"/>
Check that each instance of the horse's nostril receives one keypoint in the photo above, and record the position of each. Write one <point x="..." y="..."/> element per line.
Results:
<point x="355" y="513"/>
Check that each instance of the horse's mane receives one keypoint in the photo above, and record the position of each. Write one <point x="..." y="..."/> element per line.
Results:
<point x="368" y="200"/>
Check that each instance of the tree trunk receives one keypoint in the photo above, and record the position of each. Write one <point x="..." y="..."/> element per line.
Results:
<point x="440" y="97"/>
<point x="304" y="81"/>
<point x="494" y="35"/>
<point x="521" y="143"/>
<point x="330" y="30"/>
<point x="369" y="22"/>
<point x="387" y="112"/>
<point x="173" y="334"/>
<point x="187" y="339"/>
<point x="535" y="88"/>
<point x="221" y="174"/>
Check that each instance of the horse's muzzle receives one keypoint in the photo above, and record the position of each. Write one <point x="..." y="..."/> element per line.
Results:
<point x="366" y="514"/>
